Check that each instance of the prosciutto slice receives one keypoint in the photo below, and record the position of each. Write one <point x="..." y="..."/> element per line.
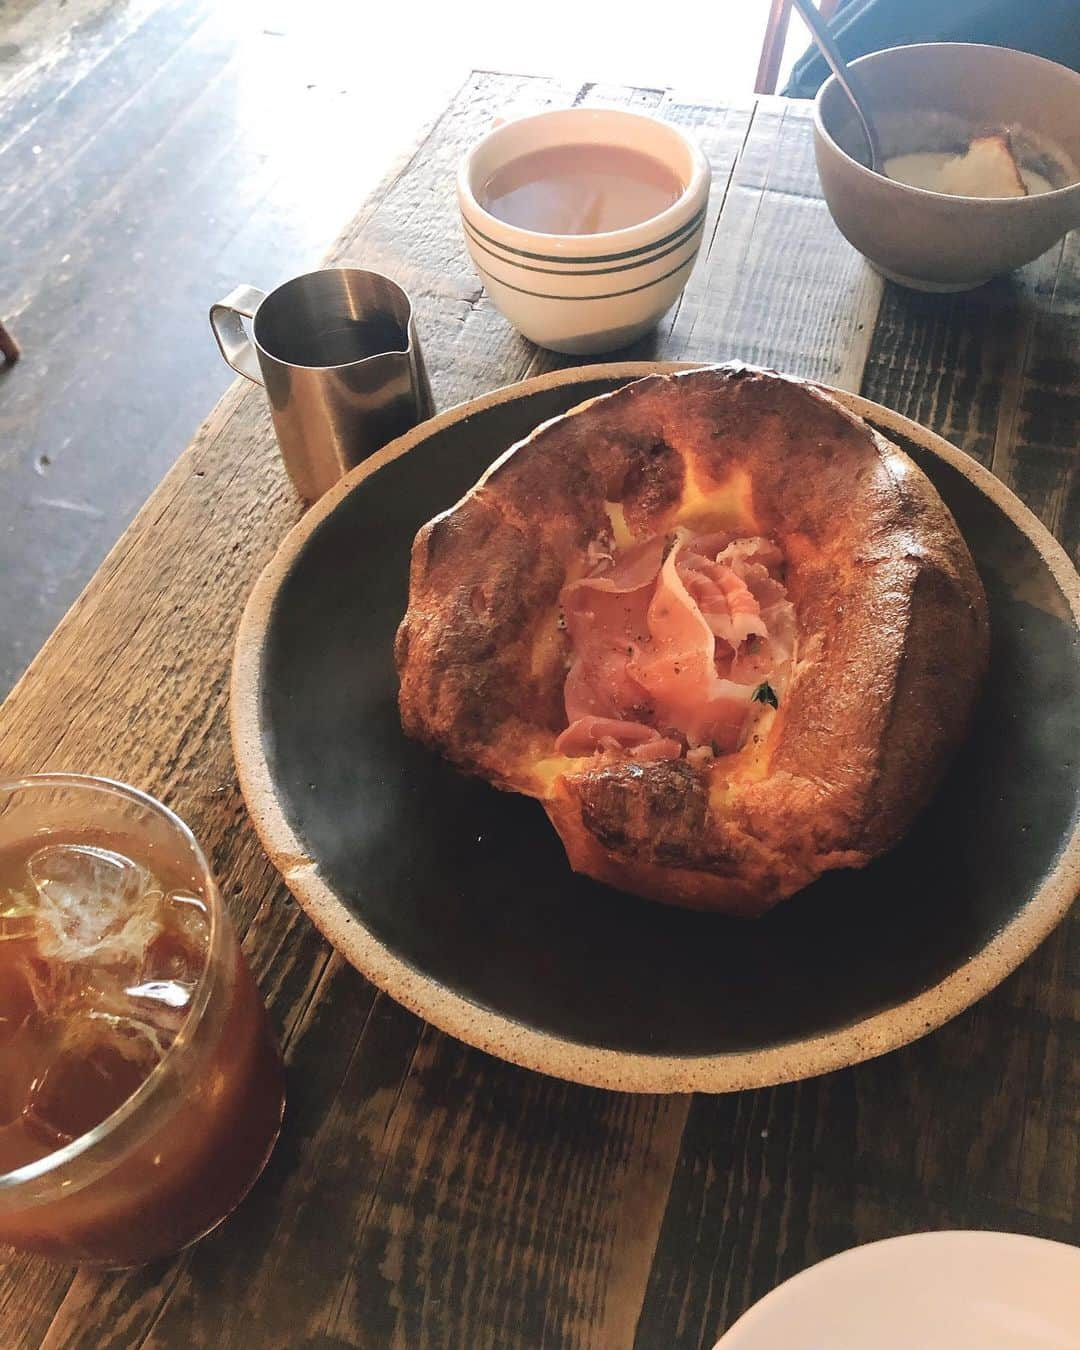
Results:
<point x="678" y="667"/>
<point x="606" y="617"/>
<point x="670" y="638"/>
<point x="588" y="735"/>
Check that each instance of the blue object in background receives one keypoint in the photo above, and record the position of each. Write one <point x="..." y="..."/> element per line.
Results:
<point x="1049" y="28"/>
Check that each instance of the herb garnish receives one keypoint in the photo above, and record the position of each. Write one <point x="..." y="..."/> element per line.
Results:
<point x="765" y="693"/>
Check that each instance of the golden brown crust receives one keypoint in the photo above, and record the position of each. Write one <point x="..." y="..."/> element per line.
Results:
<point x="891" y="620"/>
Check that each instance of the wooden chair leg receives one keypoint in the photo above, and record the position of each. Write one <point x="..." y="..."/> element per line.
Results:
<point x="9" y="348"/>
<point x="772" y="49"/>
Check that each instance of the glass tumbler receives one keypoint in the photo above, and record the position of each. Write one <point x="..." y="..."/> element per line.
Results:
<point x="122" y="988"/>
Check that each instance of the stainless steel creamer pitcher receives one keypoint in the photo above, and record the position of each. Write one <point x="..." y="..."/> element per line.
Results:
<point x="338" y="354"/>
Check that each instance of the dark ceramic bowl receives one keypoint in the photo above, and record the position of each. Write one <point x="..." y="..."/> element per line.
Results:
<point x="458" y="901"/>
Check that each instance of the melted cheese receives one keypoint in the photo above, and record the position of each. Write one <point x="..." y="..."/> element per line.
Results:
<point x="755" y="754"/>
<point x="620" y="532"/>
<point x="748" y="765"/>
<point x="545" y="771"/>
<point x="722" y="506"/>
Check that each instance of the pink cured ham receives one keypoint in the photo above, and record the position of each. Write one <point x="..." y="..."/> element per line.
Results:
<point x="678" y="667"/>
<point x="726" y="602"/>
<point x="669" y="644"/>
<point x="606" y="617"/>
<point x="588" y="735"/>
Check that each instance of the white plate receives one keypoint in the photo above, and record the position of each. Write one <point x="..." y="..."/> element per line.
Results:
<point x="927" y="1291"/>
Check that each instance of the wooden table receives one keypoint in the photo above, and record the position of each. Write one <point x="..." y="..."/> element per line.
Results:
<point x="422" y="1193"/>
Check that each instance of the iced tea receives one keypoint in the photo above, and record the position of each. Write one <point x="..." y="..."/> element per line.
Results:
<point x="140" y="1088"/>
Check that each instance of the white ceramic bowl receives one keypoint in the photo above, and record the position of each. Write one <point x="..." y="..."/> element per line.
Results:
<point x="585" y="292"/>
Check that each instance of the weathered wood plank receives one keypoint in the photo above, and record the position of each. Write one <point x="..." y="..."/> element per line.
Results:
<point x="937" y="1135"/>
<point x="174" y="162"/>
<point x="995" y="372"/>
<point x="73" y="163"/>
<point x="87" y="491"/>
<point x="485" y="1207"/>
<point x="764" y="293"/>
<point x="733" y="1209"/>
<point x="529" y="1223"/>
<point x="45" y="54"/>
<point x="132" y="671"/>
<point x="1036" y="455"/>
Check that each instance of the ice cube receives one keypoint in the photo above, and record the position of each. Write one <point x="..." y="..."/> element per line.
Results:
<point x="102" y="1059"/>
<point x="171" y="993"/>
<point x="17" y="999"/>
<point x="177" y="953"/>
<point x="18" y="915"/>
<point x="162" y="1003"/>
<point x="55" y="983"/>
<point x="93" y="903"/>
<point x="24" y="1055"/>
<point x="188" y="916"/>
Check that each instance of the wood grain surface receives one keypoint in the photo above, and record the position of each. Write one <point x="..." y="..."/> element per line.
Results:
<point x="422" y="1193"/>
<point x="153" y="154"/>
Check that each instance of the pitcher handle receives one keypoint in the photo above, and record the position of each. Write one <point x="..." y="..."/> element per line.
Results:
<point x="233" y="342"/>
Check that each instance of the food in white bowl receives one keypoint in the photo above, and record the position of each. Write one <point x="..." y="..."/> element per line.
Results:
<point x="584" y="223"/>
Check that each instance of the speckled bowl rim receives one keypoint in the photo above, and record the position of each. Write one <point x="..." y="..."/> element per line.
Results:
<point x="599" y="1066"/>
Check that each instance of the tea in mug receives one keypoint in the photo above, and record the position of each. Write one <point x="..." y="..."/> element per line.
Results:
<point x="580" y="189"/>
